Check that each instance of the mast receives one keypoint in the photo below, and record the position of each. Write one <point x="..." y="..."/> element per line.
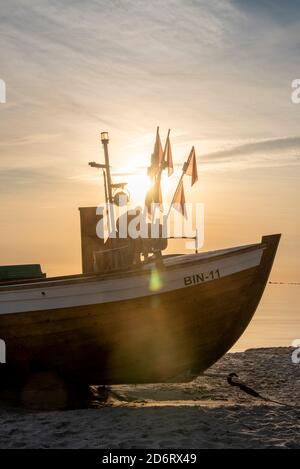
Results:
<point x="105" y="141"/>
<point x="176" y="191"/>
<point x="108" y="186"/>
<point x="105" y="186"/>
<point x="163" y="163"/>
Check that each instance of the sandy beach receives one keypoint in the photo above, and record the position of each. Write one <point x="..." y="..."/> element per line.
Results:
<point x="205" y="413"/>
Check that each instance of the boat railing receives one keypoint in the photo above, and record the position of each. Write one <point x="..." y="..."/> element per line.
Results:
<point x="111" y="259"/>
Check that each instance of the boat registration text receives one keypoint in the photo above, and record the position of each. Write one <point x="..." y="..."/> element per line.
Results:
<point x="202" y="277"/>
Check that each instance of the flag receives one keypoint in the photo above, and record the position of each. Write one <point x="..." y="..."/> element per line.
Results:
<point x="154" y="195"/>
<point x="157" y="155"/>
<point x="191" y="167"/>
<point x="169" y="158"/>
<point x="179" y="199"/>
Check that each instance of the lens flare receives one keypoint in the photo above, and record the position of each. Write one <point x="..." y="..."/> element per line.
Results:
<point x="156" y="281"/>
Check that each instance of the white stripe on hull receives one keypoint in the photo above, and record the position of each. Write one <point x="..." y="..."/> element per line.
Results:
<point x="124" y="288"/>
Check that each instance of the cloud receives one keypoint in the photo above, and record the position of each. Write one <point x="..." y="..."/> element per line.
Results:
<point x="27" y="176"/>
<point x="28" y="140"/>
<point x="206" y="69"/>
<point x="272" y="146"/>
<point x="275" y="10"/>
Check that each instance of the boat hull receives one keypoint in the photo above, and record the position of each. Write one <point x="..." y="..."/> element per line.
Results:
<point x="171" y="334"/>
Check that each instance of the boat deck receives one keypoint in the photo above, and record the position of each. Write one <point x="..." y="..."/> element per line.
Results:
<point x="168" y="261"/>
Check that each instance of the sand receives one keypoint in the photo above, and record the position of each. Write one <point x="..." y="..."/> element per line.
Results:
<point x="205" y="413"/>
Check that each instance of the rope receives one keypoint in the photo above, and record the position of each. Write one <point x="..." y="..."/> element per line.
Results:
<point x="284" y="283"/>
<point x="243" y="387"/>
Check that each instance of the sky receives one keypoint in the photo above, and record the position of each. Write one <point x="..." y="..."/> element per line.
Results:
<point x="217" y="73"/>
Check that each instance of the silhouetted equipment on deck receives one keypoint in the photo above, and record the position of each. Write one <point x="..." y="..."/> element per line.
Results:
<point x="90" y="242"/>
<point x="126" y="252"/>
<point x="115" y="253"/>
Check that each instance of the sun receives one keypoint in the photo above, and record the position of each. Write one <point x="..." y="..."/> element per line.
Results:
<point x="138" y="185"/>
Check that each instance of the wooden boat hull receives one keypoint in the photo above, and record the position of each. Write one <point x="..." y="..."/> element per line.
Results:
<point x="192" y="315"/>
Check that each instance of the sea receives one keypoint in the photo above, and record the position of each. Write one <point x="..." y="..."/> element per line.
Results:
<point x="276" y="322"/>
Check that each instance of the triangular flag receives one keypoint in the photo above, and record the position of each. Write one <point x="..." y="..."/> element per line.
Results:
<point x="191" y="167"/>
<point x="169" y="158"/>
<point x="179" y="199"/>
<point x="157" y="155"/>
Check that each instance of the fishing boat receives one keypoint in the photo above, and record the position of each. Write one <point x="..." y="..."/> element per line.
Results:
<point x="165" y="318"/>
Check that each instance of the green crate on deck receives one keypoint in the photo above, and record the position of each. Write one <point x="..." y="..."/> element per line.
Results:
<point x="21" y="272"/>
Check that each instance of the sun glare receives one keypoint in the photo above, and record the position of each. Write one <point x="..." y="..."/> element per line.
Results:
<point x="138" y="185"/>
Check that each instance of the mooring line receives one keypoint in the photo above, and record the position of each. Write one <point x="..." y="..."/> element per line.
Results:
<point x="284" y="283"/>
<point x="246" y="389"/>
